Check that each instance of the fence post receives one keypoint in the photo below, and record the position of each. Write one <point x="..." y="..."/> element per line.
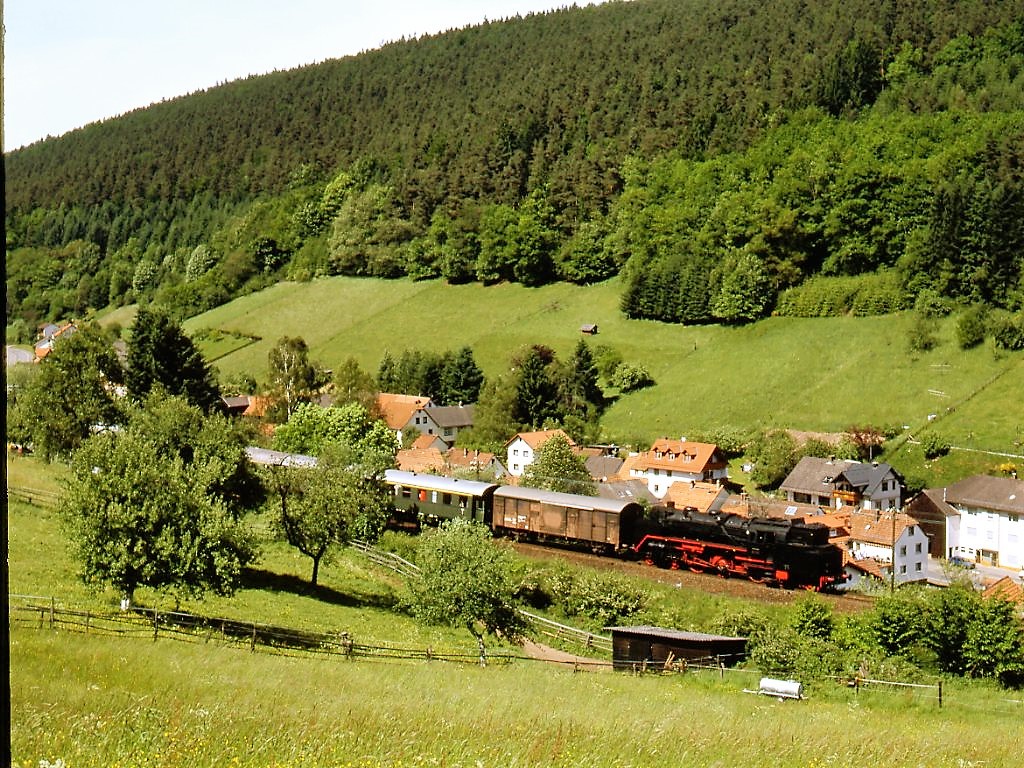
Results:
<point x="156" y="624"/>
<point x="940" y="694"/>
<point x="87" y="617"/>
<point x="53" y="611"/>
<point x="252" y="644"/>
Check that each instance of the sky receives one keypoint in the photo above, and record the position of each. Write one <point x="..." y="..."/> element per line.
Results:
<point x="68" y="63"/>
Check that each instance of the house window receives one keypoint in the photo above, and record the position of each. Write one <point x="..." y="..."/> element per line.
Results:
<point x="917" y="548"/>
<point x="972" y="531"/>
<point x="448" y="432"/>
<point x="903" y="551"/>
<point x="515" y="451"/>
<point x="1013" y="518"/>
<point x="903" y="569"/>
<point x="917" y="567"/>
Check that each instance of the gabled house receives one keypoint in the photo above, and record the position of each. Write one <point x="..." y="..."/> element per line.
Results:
<point x="522" y="449"/>
<point x="423" y="442"/>
<point x="892" y="538"/>
<point x="445" y="421"/>
<point x="834" y="483"/>
<point x="674" y="461"/>
<point x="398" y="411"/>
<point x="991" y="511"/>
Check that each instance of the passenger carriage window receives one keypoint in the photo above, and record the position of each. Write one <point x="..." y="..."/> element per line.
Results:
<point x="446" y="499"/>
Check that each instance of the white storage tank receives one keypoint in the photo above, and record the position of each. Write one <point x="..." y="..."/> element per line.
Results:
<point x="783" y="689"/>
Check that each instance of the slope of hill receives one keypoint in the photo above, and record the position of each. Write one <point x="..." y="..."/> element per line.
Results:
<point x="818" y="374"/>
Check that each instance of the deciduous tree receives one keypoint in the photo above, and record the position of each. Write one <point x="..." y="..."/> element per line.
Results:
<point x="467" y="580"/>
<point x="558" y="468"/>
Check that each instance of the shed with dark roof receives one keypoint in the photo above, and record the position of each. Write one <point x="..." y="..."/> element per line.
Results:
<point x="634" y="647"/>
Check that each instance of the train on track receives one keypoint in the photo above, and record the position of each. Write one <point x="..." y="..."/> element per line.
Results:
<point x="785" y="553"/>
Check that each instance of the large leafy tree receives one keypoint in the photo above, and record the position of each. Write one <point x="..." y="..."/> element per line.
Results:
<point x="160" y="355"/>
<point x="558" y="468"/>
<point x="467" y="580"/>
<point x="323" y="507"/>
<point x="138" y="518"/>
<point x="352" y="384"/>
<point x="312" y="429"/>
<point x="72" y="394"/>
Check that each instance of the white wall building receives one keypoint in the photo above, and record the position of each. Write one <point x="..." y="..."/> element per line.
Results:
<point x="991" y="529"/>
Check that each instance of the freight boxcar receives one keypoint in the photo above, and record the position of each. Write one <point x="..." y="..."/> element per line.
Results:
<point x="429" y="499"/>
<point x="602" y="525"/>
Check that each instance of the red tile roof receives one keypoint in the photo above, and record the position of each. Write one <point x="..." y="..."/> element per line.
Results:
<point x="1007" y="589"/>
<point x="426" y="460"/>
<point x="536" y="439"/>
<point x="396" y="410"/>
<point x="682" y="455"/>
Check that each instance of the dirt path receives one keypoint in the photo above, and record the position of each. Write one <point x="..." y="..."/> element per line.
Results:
<point x="553" y="655"/>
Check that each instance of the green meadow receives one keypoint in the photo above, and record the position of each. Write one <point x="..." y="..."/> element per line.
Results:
<point x="94" y="701"/>
<point x="821" y="374"/>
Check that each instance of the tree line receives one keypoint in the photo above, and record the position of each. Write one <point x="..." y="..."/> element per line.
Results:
<point x="835" y="139"/>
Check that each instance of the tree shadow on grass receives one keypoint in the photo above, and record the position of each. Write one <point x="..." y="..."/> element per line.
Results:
<point x="257" y="578"/>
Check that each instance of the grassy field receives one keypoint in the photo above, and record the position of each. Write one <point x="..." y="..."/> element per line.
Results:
<point x="807" y="374"/>
<point x="102" y="701"/>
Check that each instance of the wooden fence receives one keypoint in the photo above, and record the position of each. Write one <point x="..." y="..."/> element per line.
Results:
<point x="153" y="624"/>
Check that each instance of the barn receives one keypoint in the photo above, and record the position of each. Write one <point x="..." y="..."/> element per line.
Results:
<point x="633" y="647"/>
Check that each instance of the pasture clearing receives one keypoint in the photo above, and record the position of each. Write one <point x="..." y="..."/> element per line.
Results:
<point x="820" y="374"/>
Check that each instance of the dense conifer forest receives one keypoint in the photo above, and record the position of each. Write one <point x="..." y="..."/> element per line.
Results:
<point x="731" y="159"/>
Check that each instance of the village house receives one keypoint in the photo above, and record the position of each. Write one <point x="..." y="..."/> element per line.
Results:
<point x="835" y="483"/>
<point x="890" y="538"/>
<point x="675" y="461"/>
<point x="444" y="421"/>
<point x="398" y="411"/>
<point x="991" y="511"/>
<point x="522" y="449"/>
<point x="49" y="334"/>
<point x="703" y="497"/>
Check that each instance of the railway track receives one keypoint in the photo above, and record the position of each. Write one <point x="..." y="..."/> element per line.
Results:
<point x="844" y="603"/>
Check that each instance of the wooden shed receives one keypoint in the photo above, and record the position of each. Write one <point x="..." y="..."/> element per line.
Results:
<point x="633" y="647"/>
<point x="589" y="328"/>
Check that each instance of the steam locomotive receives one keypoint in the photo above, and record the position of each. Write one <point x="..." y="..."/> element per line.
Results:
<point x="785" y="553"/>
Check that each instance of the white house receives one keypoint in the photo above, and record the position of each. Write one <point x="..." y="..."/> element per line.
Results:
<point x="891" y="538"/>
<point x="674" y="461"/>
<point x="991" y="527"/>
<point x="522" y="449"/>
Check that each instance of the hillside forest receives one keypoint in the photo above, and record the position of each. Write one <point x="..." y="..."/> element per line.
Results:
<point x="730" y="160"/>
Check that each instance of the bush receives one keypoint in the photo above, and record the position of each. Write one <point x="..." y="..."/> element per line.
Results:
<point x="971" y="327"/>
<point x="605" y="598"/>
<point x="934" y="445"/>
<point x="628" y="378"/>
<point x="1008" y="332"/>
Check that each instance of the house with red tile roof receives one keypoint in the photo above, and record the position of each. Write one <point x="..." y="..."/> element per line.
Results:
<point x="1006" y="589"/>
<point x="673" y="461"/>
<point x="890" y="537"/>
<point x="398" y="411"/>
<point x="51" y="334"/>
<point x="522" y="449"/>
<point x="704" y="497"/>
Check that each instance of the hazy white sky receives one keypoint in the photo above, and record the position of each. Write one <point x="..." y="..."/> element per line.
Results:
<point x="68" y="63"/>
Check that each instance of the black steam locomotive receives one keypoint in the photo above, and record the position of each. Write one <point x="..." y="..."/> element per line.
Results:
<point x="783" y="553"/>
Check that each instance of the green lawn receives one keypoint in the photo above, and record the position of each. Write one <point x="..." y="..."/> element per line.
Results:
<point x="96" y="701"/>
